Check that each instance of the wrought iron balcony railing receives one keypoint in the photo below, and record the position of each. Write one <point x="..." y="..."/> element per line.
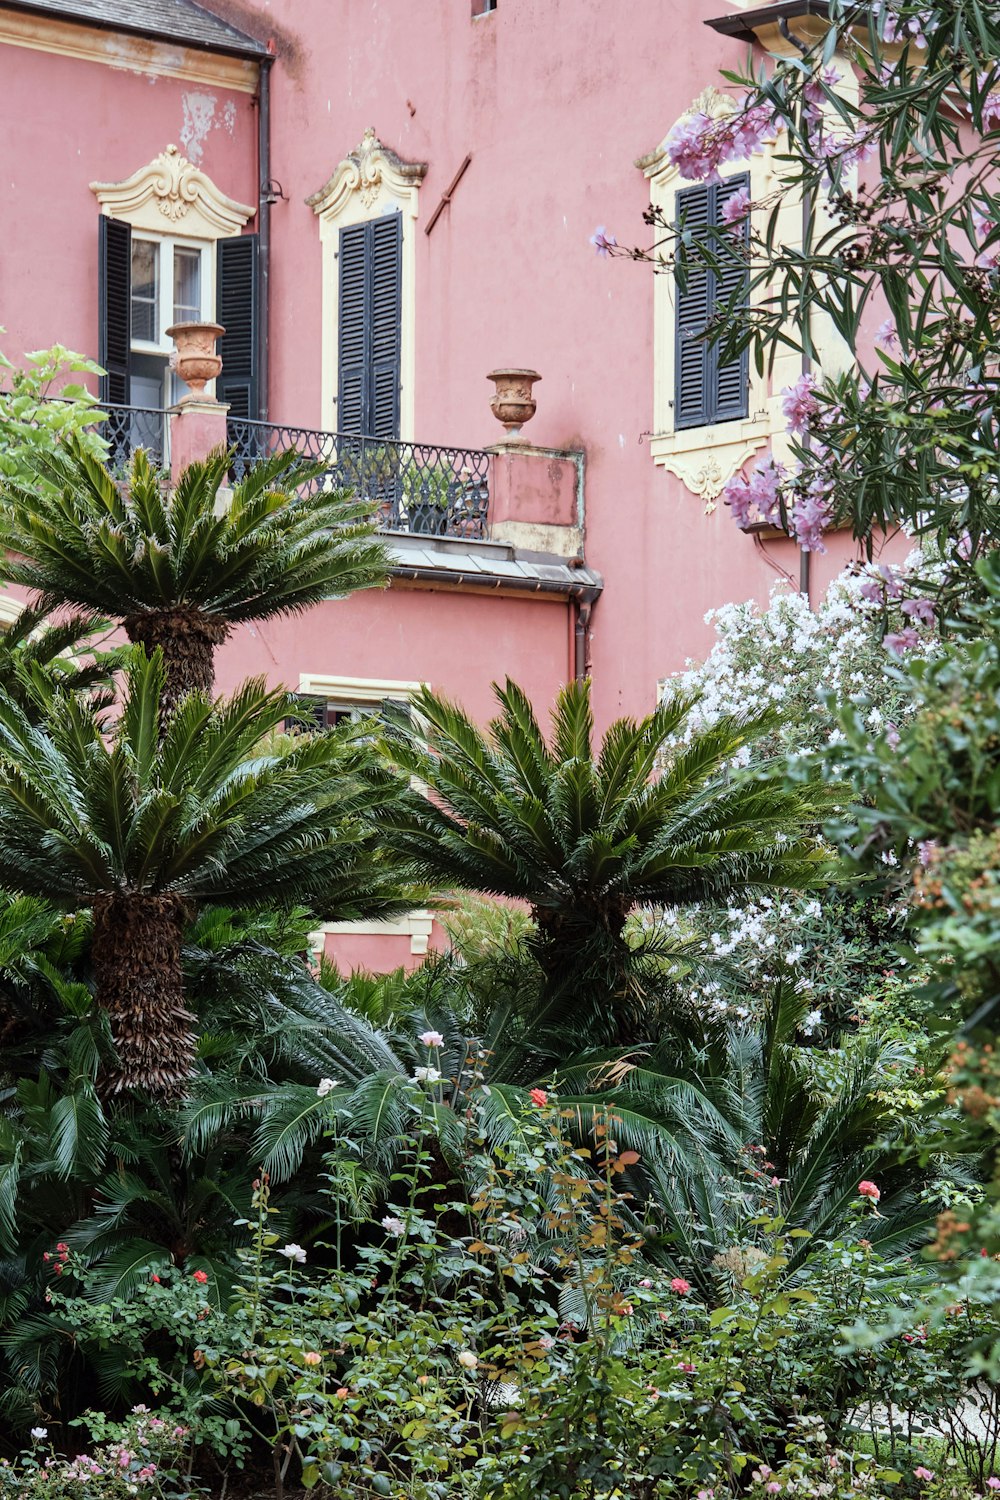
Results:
<point x="130" y="427"/>
<point x="415" y="487"/>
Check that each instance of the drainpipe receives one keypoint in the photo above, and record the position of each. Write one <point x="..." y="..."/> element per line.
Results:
<point x="264" y="201"/>
<point x="807" y="363"/>
<point x="586" y="600"/>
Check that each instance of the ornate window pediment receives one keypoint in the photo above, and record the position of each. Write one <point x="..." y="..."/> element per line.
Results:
<point x="370" y="183"/>
<point x="170" y="195"/>
<point x="372" y="171"/>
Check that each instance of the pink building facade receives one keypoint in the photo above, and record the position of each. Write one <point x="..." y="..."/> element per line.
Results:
<point x="383" y="201"/>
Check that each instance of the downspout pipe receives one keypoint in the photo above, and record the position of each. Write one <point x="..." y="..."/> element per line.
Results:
<point x="807" y="363"/>
<point x="264" y="230"/>
<point x="585" y="601"/>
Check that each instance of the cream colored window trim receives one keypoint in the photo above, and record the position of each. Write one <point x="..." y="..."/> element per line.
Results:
<point x="10" y="610"/>
<point x="703" y="458"/>
<point x="170" y="195"/>
<point x="368" y="183"/>
<point x="706" y="458"/>
<point x="416" y="925"/>
<point x="366" y="692"/>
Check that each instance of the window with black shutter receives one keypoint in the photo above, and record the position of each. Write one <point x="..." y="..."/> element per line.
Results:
<point x="706" y="390"/>
<point x="369" y="326"/>
<point x="236" y="309"/>
<point x="114" y="309"/>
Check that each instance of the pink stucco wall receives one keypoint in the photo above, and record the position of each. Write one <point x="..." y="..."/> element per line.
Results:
<point x="69" y="122"/>
<point x="555" y="99"/>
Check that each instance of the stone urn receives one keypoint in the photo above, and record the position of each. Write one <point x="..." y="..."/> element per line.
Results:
<point x="513" y="404"/>
<point x="195" y="360"/>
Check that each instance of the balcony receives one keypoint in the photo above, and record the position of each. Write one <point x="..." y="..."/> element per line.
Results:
<point x="416" y="488"/>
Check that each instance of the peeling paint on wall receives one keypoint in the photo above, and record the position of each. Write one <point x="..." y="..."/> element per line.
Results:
<point x="199" y="116"/>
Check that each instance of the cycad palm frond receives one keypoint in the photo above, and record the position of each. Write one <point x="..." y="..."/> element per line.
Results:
<point x="586" y="837"/>
<point x="179" y="568"/>
<point x="174" y="810"/>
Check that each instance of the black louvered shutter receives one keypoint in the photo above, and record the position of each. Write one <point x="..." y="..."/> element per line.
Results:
<point x="691" y="383"/>
<point x="352" y="312"/>
<point x="386" y="269"/>
<point x="236" y="293"/>
<point x="730" y="383"/>
<point x="706" y="391"/>
<point x="114" y="309"/>
<point x="369" y="323"/>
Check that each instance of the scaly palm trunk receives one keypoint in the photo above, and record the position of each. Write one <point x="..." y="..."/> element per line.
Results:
<point x="584" y="957"/>
<point x="188" y="639"/>
<point x="137" y="963"/>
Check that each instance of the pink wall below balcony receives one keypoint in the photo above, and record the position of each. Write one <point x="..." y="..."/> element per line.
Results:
<point x="457" y="643"/>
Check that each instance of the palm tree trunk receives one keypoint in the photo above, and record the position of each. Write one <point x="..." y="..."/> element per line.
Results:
<point x="137" y="962"/>
<point x="188" y="639"/>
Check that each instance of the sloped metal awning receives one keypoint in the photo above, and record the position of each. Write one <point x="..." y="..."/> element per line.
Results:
<point x="488" y="567"/>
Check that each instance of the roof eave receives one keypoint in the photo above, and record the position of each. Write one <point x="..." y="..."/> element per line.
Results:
<point x="742" y="27"/>
<point x="252" y="51"/>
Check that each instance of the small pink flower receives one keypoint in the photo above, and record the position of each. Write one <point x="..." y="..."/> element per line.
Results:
<point x="886" y="336"/>
<point x="924" y="1474"/>
<point x="602" y="241"/>
<point x="680" y="1286"/>
<point x="869" y="1190"/>
<point x="920" y="610"/>
<point x="431" y="1038"/>
<point x="799" y="404"/>
<point x="898" y="642"/>
<point x="773" y="1487"/>
<point x="686" y="1368"/>
<point x="736" y="208"/>
<point x="645" y="1281"/>
<point x="993" y="1483"/>
<point x="539" y="1097"/>
<point x="201" y="1277"/>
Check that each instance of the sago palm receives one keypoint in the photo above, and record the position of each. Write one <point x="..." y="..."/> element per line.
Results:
<point x="585" y="835"/>
<point x="143" y="823"/>
<point x="178" y="568"/>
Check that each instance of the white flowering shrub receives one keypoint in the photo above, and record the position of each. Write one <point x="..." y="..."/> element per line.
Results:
<point x="803" y="661"/>
<point x="840" y="947"/>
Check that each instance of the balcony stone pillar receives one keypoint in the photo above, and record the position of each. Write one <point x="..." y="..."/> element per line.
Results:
<point x="197" y="428"/>
<point x="537" y="498"/>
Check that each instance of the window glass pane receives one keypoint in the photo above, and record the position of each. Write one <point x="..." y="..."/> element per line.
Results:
<point x="187" y="285"/>
<point x="145" y="290"/>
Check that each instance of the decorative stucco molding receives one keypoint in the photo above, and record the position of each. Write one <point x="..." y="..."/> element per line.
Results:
<point x="371" y="181"/>
<point x="706" y="470"/>
<point x="368" y="171"/>
<point x="170" y="195"/>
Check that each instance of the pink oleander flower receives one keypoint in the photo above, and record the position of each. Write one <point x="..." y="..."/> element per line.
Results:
<point x="602" y="241"/>
<point x="925" y="1474"/>
<point x="869" y="1190"/>
<point x="773" y="1487"/>
<point x="920" y="610"/>
<point x="893" y="581"/>
<point x="898" y="642"/>
<point x="698" y="145"/>
<point x="897" y="28"/>
<point x="799" y="404"/>
<point x="686" y="1368"/>
<point x="891" y="736"/>
<point x="645" y="1281"/>
<point x="872" y="590"/>
<point x="811" y="516"/>
<point x="993" y="1483"/>
<point x="886" y="336"/>
<point x="736" y="208"/>
<point x="539" y="1097"/>
<point x="680" y="1286"/>
<point x="756" y="498"/>
<point x="983" y="227"/>
<point x="431" y="1038"/>
<point x="393" y="1225"/>
<point x="926" y="850"/>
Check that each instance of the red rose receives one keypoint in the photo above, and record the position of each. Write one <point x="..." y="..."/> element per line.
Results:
<point x="539" y="1097"/>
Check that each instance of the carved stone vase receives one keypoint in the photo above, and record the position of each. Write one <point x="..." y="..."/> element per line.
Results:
<point x="513" y="404"/>
<point x="196" y="361"/>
